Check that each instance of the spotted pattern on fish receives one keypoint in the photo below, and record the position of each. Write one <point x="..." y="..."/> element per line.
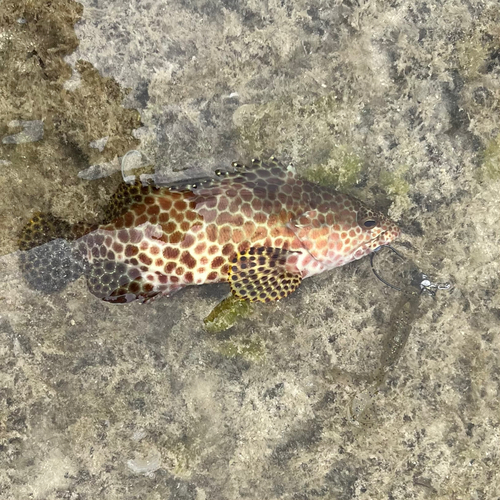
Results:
<point x="158" y="239"/>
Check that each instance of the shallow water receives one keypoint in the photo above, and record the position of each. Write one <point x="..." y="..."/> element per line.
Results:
<point x="396" y="104"/>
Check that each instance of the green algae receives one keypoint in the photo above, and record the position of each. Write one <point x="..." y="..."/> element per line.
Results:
<point x="395" y="183"/>
<point x="342" y="169"/>
<point x="472" y="54"/>
<point x="227" y="313"/>
<point x="491" y="160"/>
<point x="278" y="124"/>
<point x="42" y="175"/>
<point x="253" y="350"/>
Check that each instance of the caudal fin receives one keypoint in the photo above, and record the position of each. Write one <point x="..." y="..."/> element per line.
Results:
<point x="48" y="260"/>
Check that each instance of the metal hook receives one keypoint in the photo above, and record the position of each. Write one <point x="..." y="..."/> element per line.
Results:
<point x="420" y="280"/>
<point x="378" y="275"/>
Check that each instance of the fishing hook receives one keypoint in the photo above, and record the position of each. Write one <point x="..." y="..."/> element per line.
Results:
<point x="420" y="279"/>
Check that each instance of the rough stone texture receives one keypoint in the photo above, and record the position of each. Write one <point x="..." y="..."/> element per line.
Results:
<point x="395" y="101"/>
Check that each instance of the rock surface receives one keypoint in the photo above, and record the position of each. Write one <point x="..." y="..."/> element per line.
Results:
<point x="396" y="102"/>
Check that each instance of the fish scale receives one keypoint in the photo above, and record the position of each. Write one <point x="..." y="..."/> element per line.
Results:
<point x="260" y="227"/>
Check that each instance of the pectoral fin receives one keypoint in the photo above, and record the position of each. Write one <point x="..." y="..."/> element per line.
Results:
<point x="263" y="274"/>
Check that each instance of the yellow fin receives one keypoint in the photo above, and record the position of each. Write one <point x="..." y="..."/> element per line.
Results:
<point x="261" y="274"/>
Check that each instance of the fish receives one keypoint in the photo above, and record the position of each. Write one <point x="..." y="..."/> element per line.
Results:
<point x="260" y="227"/>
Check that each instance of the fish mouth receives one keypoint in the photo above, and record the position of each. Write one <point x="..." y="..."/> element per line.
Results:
<point x="386" y="237"/>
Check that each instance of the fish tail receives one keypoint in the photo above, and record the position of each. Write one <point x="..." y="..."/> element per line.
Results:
<point x="49" y="261"/>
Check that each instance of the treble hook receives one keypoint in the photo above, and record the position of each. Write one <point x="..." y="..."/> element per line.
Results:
<point x="420" y="280"/>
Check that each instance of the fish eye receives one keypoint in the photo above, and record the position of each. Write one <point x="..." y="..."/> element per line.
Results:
<point x="369" y="223"/>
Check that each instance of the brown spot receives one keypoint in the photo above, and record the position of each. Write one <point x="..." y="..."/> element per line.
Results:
<point x="129" y="219"/>
<point x="275" y="232"/>
<point x="117" y="247"/>
<point x="249" y="228"/>
<point x="180" y="205"/>
<point x="246" y="194"/>
<point x="134" y="287"/>
<point x="170" y="227"/>
<point x="171" y="253"/>
<point x="165" y="204"/>
<point x="142" y="219"/>
<point x="147" y="287"/>
<point x="159" y="262"/>
<point x="163" y="279"/>
<point x="153" y="210"/>
<point x="174" y="279"/>
<point x="118" y="223"/>
<point x="235" y="219"/>
<point x="145" y="259"/>
<point x="225" y="269"/>
<point x="102" y="251"/>
<point x="243" y="247"/>
<point x="164" y="217"/>
<point x="272" y="220"/>
<point x="188" y="241"/>
<point x="154" y="250"/>
<point x="139" y="208"/>
<point x="200" y="270"/>
<point x="134" y="262"/>
<point x="246" y="210"/>
<point x="176" y="237"/>
<point x="260" y="218"/>
<point x="110" y="255"/>
<point x="210" y="202"/>
<point x="238" y="235"/>
<point x="179" y="271"/>
<point x="188" y="260"/>
<point x="108" y="240"/>
<point x="217" y="262"/>
<point x="259" y="234"/>
<point x="228" y="249"/>
<point x="204" y="260"/>
<point x="257" y="204"/>
<point x="99" y="239"/>
<point x="212" y="232"/>
<point x="321" y="243"/>
<point x="149" y="200"/>
<point x="223" y="203"/>
<point x="169" y="268"/>
<point x="213" y="249"/>
<point x="225" y="233"/>
<point x="212" y="276"/>
<point x="278" y="242"/>
<point x="190" y="215"/>
<point x="188" y="277"/>
<point x="200" y="248"/>
<point x="235" y="205"/>
<point x="185" y="226"/>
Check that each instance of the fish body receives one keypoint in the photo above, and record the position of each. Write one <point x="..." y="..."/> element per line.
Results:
<point x="260" y="228"/>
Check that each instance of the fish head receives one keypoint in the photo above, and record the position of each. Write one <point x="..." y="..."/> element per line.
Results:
<point x="343" y="229"/>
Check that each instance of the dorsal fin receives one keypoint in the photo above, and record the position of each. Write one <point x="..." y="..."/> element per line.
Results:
<point x="240" y="173"/>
